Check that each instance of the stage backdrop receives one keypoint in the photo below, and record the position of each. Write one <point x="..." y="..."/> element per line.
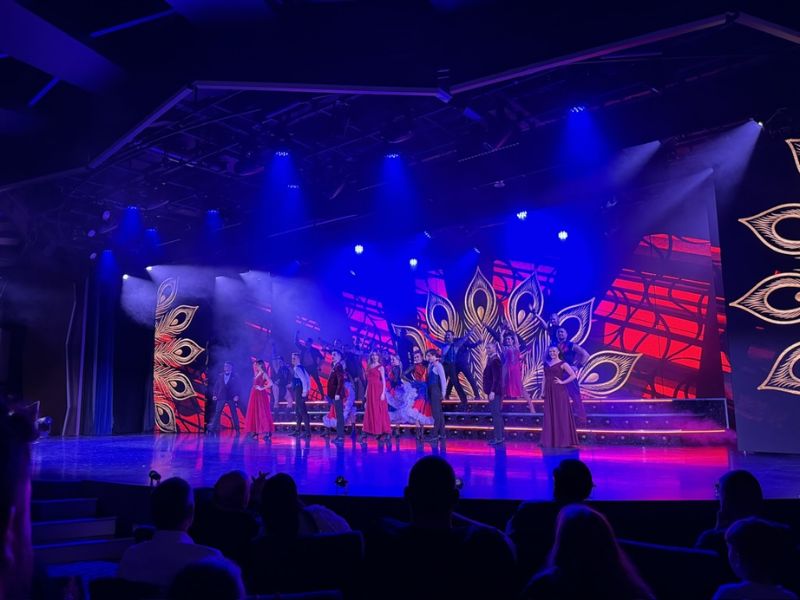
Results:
<point x="761" y="241"/>
<point x="644" y="300"/>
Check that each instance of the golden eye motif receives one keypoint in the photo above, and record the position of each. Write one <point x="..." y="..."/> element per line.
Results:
<point x="759" y="300"/>
<point x="765" y="226"/>
<point x="794" y="146"/>
<point x="782" y="376"/>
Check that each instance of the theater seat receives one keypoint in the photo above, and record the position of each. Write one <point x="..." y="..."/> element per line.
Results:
<point x="673" y="572"/>
<point x="114" y="588"/>
<point x="318" y="562"/>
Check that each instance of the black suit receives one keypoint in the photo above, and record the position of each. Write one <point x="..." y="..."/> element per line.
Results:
<point x="225" y="394"/>
<point x="455" y="360"/>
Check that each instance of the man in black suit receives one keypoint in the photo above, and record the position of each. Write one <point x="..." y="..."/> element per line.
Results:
<point x="226" y="391"/>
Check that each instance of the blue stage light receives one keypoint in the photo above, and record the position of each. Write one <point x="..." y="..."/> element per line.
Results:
<point x="93" y="256"/>
<point x="476" y="250"/>
<point x="413" y="262"/>
<point x="359" y="249"/>
<point x="427" y="234"/>
<point x="353" y="273"/>
<point x="148" y="269"/>
<point x="393" y="155"/>
<point x="213" y="211"/>
<point x="282" y="153"/>
<point x="125" y="276"/>
<point x="578" y="108"/>
<point x="522" y="215"/>
<point x="563" y="235"/>
<point x="293" y="186"/>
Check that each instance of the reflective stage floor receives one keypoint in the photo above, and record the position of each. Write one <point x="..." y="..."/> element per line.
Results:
<point x="520" y="470"/>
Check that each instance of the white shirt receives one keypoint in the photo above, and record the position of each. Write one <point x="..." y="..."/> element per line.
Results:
<point x="160" y="559"/>
<point x="227" y="378"/>
<point x="439" y="369"/>
<point x="305" y="380"/>
<point x="749" y="590"/>
<point x="326" y="520"/>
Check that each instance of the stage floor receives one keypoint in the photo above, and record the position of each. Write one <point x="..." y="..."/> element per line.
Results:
<point x="521" y="470"/>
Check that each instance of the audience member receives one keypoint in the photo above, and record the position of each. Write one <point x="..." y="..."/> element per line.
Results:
<point x="218" y="579"/>
<point x="740" y="497"/>
<point x="225" y="523"/>
<point x="533" y="526"/>
<point x="284" y="515"/>
<point x="159" y="560"/>
<point x="452" y="557"/>
<point x="757" y="550"/>
<point x="16" y="559"/>
<point x="586" y="562"/>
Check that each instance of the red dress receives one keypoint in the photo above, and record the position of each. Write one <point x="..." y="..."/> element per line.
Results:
<point x="259" y="415"/>
<point x="376" y="411"/>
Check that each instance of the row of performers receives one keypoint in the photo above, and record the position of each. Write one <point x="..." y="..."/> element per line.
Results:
<point x="394" y="396"/>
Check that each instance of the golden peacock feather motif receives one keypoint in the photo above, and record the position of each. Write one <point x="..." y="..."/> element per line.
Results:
<point x="523" y="315"/>
<point x="765" y="226"/>
<point x="757" y="300"/>
<point x="782" y="376"/>
<point x="172" y="352"/>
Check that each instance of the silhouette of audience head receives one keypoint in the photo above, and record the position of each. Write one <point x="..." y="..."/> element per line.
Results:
<point x="431" y="492"/>
<point x="572" y="481"/>
<point x="757" y="549"/>
<point x="219" y="579"/>
<point x="16" y="554"/>
<point x="172" y="505"/>
<point x="586" y="553"/>
<point x="232" y="491"/>
<point x="740" y="496"/>
<point x="280" y="506"/>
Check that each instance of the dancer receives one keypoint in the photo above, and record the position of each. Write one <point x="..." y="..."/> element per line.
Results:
<point x="311" y="359"/>
<point x="336" y="396"/>
<point x="456" y="359"/>
<point x="282" y="384"/>
<point x="558" y="427"/>
<point x="436" y="388"/>
<point x="258" y="420"/>
<point x="576" y="357"/>
<point x="226" y="392"/>
<point x="512" y="362"/>
<point x="376" y="410"/>
<point x="400" y="394"/>
<point x="405" y="349"/>
<point x="300" y="386"/>
<point x="493" y="388"/>
<point x="354" y="367"/>
<point x="420" y="411"/>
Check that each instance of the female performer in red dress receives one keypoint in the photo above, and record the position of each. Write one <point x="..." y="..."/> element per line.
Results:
<point x="420" y="411"/>
<point x="376" y="409"/>
<point x="259" y="416"/>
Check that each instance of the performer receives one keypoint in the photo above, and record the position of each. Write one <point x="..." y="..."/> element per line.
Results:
<point x="493" y="388"/>
<point x="282" y="385"/>
<point x="558" y="428"/>
<point x="437" y="387"/>
<point x="400" y="394"/>
<point x="576" y="357"/>
<point x="512" y="362"/>
<point x="259" y="416"/>
<point x="336" y="396"/>
<point x="354" y="368"/>
<point x="311" y="359"/>
<point x="376" y="410"/>
<point x="226" y="392"/>
<point x="405" y="349"/>
<point x="420" y="411"/>
<point x="300" y="386"/>
<point x="456" y="359"/>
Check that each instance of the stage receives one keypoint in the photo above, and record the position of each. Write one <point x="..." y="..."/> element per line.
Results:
<point x="520" y="470"/>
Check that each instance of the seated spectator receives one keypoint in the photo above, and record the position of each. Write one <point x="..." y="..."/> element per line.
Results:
<point x="225" y="523"/>
<point x="433" y="556"/>
<point x="218" y="579"/>
<point x="756" y="551"/>
<point x="740" y="497"/>
<point x="533" y="526"/>
<point x="284" y="515"/>
<point x="16" y="558"/>
<point x="586" y="562"/>
<point x="159" y="560"/>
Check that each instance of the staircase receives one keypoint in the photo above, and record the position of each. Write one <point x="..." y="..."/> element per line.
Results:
<point x="640" y="421"/>
<point x="72" y="543"/>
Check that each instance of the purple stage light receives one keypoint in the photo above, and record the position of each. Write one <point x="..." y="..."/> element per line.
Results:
<point x="282" y="153"/>
<point x="393" y="155"/>
<point x="578" y="108"/>
<point x="563" y="235"/>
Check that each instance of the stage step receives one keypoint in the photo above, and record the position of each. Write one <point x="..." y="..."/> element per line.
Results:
<point x="104" y="550"/>
<point x="63" y="509"/>
<point x="45" y="532"/>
